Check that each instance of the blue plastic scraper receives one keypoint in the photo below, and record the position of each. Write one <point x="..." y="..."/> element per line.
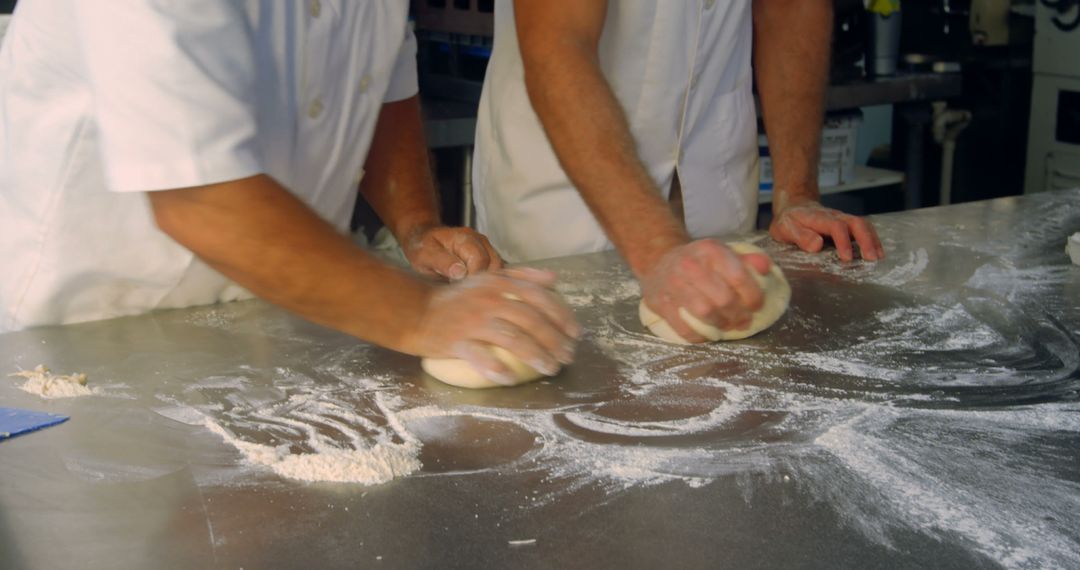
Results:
<point x="15" y="422"/>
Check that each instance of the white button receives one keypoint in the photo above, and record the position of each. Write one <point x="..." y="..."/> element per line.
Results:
<point x="709" y="4"/>
<point x="315" y="109"/>
<point x="315" y="7"/>
<point x="365" y="82"/>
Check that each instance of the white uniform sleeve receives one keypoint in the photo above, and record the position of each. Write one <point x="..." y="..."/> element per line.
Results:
<point x="173" y="86"/>
<point x="403" y="82"/>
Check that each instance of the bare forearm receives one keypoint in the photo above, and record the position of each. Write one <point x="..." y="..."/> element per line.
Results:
<point x="791" y="59"/>
<point x="592" y="140"/>
<point x="256" y="233"/>
<point x="397" y="180"/>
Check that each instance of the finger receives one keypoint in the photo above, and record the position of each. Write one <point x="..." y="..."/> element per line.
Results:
<point x="435" y="259"/>
<point x="684" y="330"/>
<point x="806" y="239"/>
<point x="669" y="311"/>
<point x="841" y="236"/>
<point x="540" y="326"/>
<point x="734" y="316"/>
<point x="827" y="225"/>
<point x="864" y="236"/>
<point x="758" y="262"/>
<point x="469" y="250"/>
<point x="714" y="302"/>
<point x="496" y="259"/>
<point x="541" y="277"/>
<point x="557" y="313"/>
<point x="735" y="273"/>
<point x="517" y="340"/>
<point x="731" y="316"/>
<point x="480" y="357"/>
<point x="700" y="290"/>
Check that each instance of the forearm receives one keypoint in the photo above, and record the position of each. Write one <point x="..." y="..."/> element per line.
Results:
<point x="791" y="60"/>
<point x="397" y="180"/>
<point x="592" y="140"/>
<point x="256" y="233"/>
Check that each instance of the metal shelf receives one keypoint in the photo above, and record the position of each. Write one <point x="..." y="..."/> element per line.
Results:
<point x="451" y="122"/>
<point x="865" y="177"/>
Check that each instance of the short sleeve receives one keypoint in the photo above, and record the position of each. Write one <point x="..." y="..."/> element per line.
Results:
<point x="173" y="88"/>
<point x="403" y="82"/>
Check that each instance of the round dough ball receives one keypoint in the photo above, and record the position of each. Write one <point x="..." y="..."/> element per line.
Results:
<point x="458" y="372"/>
<point x="777" y="296"/>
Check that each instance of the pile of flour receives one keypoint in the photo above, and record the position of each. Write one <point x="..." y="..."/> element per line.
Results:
<point x="304" y="430"/>
<point x="41" y="382"/>
<point x="372" y="465"/>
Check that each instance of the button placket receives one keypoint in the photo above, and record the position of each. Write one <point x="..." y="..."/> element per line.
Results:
<point x="315" y="55"/>
<point x="692" y="80"/>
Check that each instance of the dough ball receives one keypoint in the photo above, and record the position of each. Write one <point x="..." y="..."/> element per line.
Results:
<point x="458" y="372"/>
<point x="777" y="296"/>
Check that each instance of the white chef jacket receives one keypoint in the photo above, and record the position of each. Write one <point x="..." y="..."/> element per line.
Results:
<point x="681" y="69"/>
<point x="101" y="101"/>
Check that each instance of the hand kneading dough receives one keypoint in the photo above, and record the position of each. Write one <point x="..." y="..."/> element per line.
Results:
<point x="458" y="372"/>
<point x="777" y="296"/>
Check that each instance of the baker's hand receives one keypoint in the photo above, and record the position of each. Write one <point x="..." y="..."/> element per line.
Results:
<point x="710" y="281"/>
<point x="807" y="224"/>
<point x="512" y="309"/>
<point x="451" y="253"/>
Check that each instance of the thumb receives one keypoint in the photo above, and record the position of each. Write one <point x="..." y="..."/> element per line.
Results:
<point x="438" y="260"/>
<point x="541" y="277"/>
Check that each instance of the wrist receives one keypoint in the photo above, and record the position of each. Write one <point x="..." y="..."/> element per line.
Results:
<point x="411" y="334"/>
<point x="648" y="255"/>
<point x="411" y="227"/>
<point x="790" y="197"/>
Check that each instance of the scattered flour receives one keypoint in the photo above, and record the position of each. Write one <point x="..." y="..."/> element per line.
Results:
<point x="746" y="408"/>
<point x="302" y="430"/>
<point x="917" y="262"/>
<point x="41" y="382"/>
<point x="372" y="465"/>
<point x="954" y="484"/>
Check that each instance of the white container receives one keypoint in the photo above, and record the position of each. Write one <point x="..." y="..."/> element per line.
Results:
<point x="837" y="163"/>
<point x="839" y="138"/>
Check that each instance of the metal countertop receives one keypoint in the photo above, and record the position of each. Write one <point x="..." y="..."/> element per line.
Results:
<point x="918" y="412"/>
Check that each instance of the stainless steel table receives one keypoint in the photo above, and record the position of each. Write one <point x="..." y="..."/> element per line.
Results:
<point x="918" y="412"/>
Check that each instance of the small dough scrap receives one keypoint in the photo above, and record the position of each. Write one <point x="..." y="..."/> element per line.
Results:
<point x="42" y="382"/>
<point x="777" y="296"/>
<point x="1072" y="247"/>
<point x="458" y="372"/>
